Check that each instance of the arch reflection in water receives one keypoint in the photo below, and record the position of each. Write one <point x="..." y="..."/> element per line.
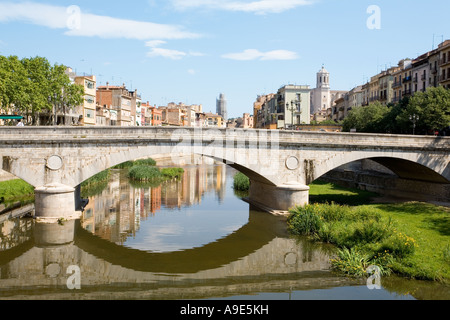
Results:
<point x="175" y="215"/>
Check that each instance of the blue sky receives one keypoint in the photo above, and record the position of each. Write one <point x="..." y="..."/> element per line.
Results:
<point x="192" y="50"/>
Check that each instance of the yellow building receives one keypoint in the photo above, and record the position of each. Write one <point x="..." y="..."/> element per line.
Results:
<point x="89" y="106"/>
<point x="214" y="120"/>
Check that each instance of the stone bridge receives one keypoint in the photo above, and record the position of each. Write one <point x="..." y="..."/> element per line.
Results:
<point x="280" y="164"/>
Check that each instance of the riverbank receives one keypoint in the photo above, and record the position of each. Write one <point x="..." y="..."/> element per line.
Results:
<point x="408" y="238"/>
<point x="15" y="192"/>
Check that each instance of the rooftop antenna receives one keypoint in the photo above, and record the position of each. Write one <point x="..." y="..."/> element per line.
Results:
<point x="442" y="36"/>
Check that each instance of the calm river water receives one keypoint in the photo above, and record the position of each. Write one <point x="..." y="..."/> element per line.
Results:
<point x="188" y="239"/>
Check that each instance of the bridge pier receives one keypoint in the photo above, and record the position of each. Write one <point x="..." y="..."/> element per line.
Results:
<point x="278" y="198"/>
<point x="55" y="202"/>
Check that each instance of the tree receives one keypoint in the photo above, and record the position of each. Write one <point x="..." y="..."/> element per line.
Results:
<point x="366" y="119"/>
<point x="38" y="72"/>
<point x="14" y="84"/>
<point x="32" y="85"/>
<point x="432" y="107"/>
<point x="390" y="124"/>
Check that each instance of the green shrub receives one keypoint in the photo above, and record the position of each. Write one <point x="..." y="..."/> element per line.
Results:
<point x="351" y="262"/>
<point x="98" y="178"/>
<point x="355" y="262"/>
<point x="241" y="182"/>
<point x="124" y="165"/>
<point x="304" y="220"/>
<point x="370" y="232"/>
<point x="446" y="254"/>
<point x="144" y="173"/>
<point x="399" y="244"/>
<point x="145" y="162"/>
<point x="172" y="173"/>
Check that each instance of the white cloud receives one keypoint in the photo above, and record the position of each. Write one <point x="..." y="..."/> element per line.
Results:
<point x="156" y="51"/>
<point x="155" y="43"/>
<point x="258" y="7"/>
<point x="196" y="54"/>
<point x="192" y="71"/>
<point x="77" y="23"/>
<point x="253" y="54"/>
<point x="166" y="53"/>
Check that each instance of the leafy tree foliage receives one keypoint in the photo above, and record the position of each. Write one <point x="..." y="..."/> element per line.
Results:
<point x="32" y="85"/>
<point x="366" y="119"/>
<point x="432" y="107"/>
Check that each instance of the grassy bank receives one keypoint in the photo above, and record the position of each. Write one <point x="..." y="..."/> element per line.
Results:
<point x="95" y="185"/>
<point x="410" y="239"/>
<point x="17" y="190"/>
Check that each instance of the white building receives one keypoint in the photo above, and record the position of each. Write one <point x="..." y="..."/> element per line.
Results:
<point x="322" y="97"/>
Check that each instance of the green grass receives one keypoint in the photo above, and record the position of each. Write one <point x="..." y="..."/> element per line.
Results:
<point x="323" y="192"/>
<point x="16" y="191"/>
<point x="429" y="225"/>
<point x="411" y="239"/>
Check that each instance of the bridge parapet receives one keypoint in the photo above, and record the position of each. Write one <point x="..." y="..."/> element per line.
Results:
<point x="277" y="162"/>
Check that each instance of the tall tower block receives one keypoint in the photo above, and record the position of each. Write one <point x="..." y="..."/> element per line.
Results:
<point x="221" y="107"/>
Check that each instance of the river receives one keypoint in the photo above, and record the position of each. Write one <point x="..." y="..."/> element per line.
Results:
<point x="188" y="239"/>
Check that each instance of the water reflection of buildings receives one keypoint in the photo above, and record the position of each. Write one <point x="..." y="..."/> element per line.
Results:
<point x="117" y="212"/>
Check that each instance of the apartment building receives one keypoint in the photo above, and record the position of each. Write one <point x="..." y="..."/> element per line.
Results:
<point x="293" y="106"/>
<point x="402" y="80"/>
<point x="119" y="101"/>
<point x="84" y="114"/>
<point x="444" y="64"/>
<point x="260" y="110"/>
<point x="89" y="106"/>
<point x="420" y="73"/>
<point x="433" y="62"/>
<point x="386" y="81"/>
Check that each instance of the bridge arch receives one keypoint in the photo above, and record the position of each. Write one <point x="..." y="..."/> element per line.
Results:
<point x="106" y="162"/>
<point x="405" y="166"/>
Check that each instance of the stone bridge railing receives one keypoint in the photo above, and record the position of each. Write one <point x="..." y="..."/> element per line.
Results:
<point x="280" y="164"/>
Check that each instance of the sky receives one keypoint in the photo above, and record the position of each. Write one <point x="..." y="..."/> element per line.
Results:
<point x="191" y="51"/>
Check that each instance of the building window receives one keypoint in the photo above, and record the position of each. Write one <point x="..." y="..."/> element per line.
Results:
<point x="89" y="84"/>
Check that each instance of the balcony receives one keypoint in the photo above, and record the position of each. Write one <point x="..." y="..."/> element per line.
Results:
<point x="416" y="79"/>
<point x="407" y="92"/>
<point x="407" y="79"/>
<point x="423" y="77"/>
<point x="443" y="61"/>
<point x="396" y="84"/>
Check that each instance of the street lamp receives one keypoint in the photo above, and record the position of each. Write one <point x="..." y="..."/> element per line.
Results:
<point x="291" y="107"/>
<point x="414" y="118"/>
<point x="295" y="106"/>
